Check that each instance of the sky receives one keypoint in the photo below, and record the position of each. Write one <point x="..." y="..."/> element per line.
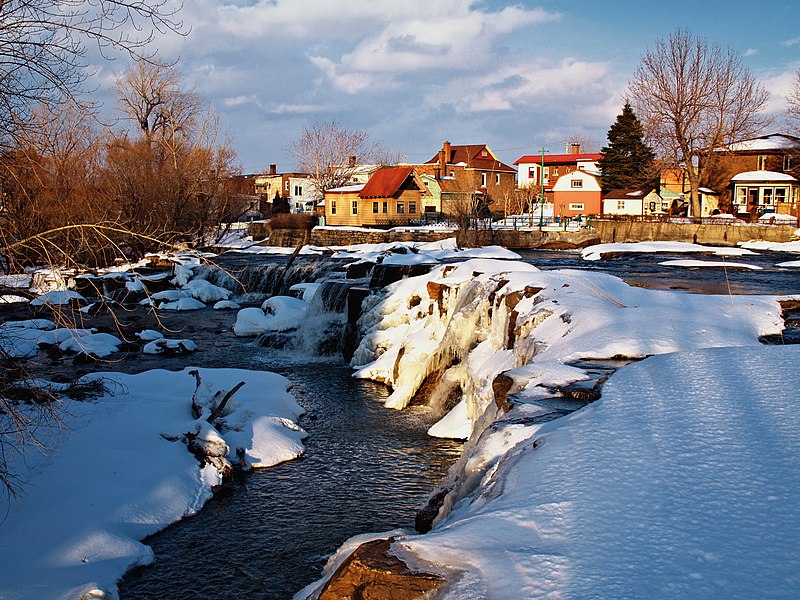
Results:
<point x="518" y="76"/>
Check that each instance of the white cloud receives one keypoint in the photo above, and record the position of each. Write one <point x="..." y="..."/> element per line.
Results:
<point x="792" y="42"/>
<point x="778" y="84"/>
<point x="750" y="52"/>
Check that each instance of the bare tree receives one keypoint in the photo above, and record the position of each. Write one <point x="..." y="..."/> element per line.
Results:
<point x="43" y="46"/>
<point x="693" y="98"/>
<point x="793" y="103"/>
<point x="169" y="177"/>
<point x="330" y="153"/>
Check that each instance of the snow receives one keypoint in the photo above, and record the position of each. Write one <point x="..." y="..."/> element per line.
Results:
<point x="148" y="335"/>
<point x="163" y="345"/>
<point x="708" y="264"/>
<point x="763" y="176"/>
<point x="205" y="291"/>
<point x="279" y="313"/>
<point x="12" y="298"/>
<point x="465" y="311"/>
<point x="96" y="344"/>
<point x="226" y="305"/>
<point x="789" y="263"/>
<point x="680" y="482"/>
<point x="182" y="304"/>
<point x="57" y="298"/>
<point x="772" y="246"/>
<point x="597" y="251"/>
<point x="112" y="479"/>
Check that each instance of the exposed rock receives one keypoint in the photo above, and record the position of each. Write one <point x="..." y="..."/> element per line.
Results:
<point x="372" y="572"/>
<point x="423" y="521"/>
<point x="501" y="385"/>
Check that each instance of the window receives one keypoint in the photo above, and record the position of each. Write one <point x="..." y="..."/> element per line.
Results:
<point x="768" y="195"/>
<point x="355" y="207"/>
<point x="576" y="206"/>
<point x="412" y="207"/>
<point x="531" y="172"/>
<point x="401" y="208"/>
<point x="385" y="207"/>
<point x="762" y="163"/>
<point x="483" y="179"/>
<point x="286" y="185"/>
<point x="298" y="190"/>
<point x="788" y="163"/>
<point x="484" y="153"/>
<point x="621" y="204"/>
<point x="652" y="207"/>
<point x="375" y="207"/>
<point x="497" y="178"/>
<point x="780" y="194"/>
<point x="333" y="207"/>
<point x="555" y="171"/>
<point x="452" y="173"/>
<point x="577" y="183"/>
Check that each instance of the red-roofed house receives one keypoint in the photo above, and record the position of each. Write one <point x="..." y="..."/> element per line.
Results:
<point x="391" y="196"/>
<point x="555" y="166"/>
<point x="471" y="169"/>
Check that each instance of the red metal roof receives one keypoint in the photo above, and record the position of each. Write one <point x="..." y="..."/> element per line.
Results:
<point x="559" y="159"/>
<point x="385" y="182"/>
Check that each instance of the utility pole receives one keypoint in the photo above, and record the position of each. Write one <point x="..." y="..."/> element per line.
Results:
<point x="541" y="206"/>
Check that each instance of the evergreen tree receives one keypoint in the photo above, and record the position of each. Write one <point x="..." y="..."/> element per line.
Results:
<point x="627" y="161"/>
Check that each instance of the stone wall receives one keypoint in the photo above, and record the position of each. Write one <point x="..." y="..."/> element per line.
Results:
<point x="466" y="239"/>
<point x="715" y="235"/>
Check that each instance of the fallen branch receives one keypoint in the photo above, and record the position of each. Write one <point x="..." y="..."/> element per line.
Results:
<point x="221" y="406"/>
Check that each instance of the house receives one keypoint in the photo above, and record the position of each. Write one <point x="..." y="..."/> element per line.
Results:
<point x="577" y="193"/>
<point x="391" y="196"/>
<point x="293" y="187"/>
<point x="775" y="153"/>
<point x="555" y="166"/>
<point x="474" y="170"/>
<point x="632" y="202"/>
<point x="758" y="192"/>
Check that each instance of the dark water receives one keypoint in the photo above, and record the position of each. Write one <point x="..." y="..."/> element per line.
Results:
<point x="366" y="469"/>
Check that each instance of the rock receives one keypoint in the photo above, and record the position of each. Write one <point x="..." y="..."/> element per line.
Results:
<point x="501" y="385"/>
<point x="423" y="521"/>
<point x="372" y="572"/>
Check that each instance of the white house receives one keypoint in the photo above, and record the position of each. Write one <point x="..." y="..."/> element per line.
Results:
<point x="301" y="194"/>
<point x="631" y="202"/>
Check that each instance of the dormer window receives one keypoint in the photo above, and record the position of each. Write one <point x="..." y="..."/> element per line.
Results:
<point x="484" y="153"/>
<point x="577" y="183"/>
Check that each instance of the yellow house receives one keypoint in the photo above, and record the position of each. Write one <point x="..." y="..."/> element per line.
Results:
<point x="391" y="196"/>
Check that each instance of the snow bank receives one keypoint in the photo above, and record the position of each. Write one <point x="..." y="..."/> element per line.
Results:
<point x="115" y="477"/>
<point x="773" y="246"/>
<point x="597" y="251"/>
<point x="708" y="264"/>
<point x="470" y="322"/>
<point x="680" y="482"/>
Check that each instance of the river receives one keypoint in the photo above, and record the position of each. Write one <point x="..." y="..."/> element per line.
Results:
<point x="366" y="468"/>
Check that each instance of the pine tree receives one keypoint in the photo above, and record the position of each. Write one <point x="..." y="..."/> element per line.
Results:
<point x="627" y="161"/>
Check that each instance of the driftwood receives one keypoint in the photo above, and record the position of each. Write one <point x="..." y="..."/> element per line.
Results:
<point x="197" y="409"/>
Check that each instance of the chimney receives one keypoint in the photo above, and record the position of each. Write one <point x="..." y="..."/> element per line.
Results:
<point x="352" y="162"/>
<point x="273" y="169"/>
<point x="444" y="158"/>
<point x="576" y="148"/>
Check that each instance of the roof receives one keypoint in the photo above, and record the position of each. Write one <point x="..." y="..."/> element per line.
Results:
<point x="385" y="182"/>
<point x="346" y="188"/>
<point x="773" y="141"/>
<point x="556" y="159"/>
<point x="470" y="156"/>
<point x="627" y="194"/>
<point x="762" y="176"/>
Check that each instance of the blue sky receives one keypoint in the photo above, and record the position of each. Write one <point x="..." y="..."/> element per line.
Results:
<point x="516" y="76"/>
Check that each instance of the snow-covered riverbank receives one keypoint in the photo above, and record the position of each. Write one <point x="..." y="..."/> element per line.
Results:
<point x="118" y="471"/>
